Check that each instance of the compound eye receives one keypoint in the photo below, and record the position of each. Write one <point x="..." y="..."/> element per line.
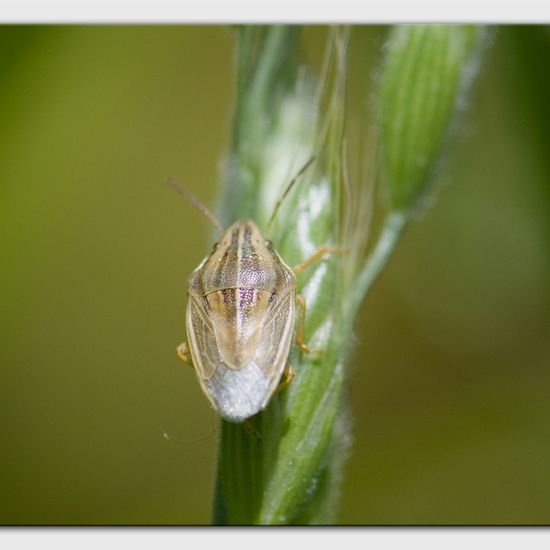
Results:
<point x="215" y="246"/>
<point x="269" y="244"/>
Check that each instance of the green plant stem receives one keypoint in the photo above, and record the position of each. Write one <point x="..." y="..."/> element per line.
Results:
<point x="283" y="465"/>
<point x="390" y="236"/>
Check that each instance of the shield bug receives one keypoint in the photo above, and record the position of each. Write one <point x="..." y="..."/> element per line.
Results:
<point x="241" y="315"/>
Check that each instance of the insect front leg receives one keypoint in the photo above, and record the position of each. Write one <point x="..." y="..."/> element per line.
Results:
<point x="317" y="256"/>
<point x="182" y="351"/>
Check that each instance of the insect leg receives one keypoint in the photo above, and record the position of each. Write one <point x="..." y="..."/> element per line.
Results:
<point x="182" y="351"/>
<point x="317" y="256"/>
<point x="250" y="429"/>
<point x="300" y="332"/>
<point x="288" y="377"/>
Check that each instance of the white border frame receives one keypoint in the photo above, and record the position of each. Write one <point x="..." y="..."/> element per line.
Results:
<point x="274" y="11"/>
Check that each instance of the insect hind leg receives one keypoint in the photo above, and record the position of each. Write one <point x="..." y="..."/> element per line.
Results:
<point x="251" y="430"/>
<point x="287" y="378"/>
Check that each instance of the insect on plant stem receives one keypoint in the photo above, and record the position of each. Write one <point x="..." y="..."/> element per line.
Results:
<point x="241" y="315"/>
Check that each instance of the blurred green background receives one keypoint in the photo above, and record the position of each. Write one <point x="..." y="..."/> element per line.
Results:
<point x="100" y="423"/>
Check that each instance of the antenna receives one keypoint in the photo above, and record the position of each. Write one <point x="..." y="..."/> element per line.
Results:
<point x="182" y="190"/>
<point x="287" y="191"/>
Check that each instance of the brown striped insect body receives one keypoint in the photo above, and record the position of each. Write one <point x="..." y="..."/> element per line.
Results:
<point x="240" y="321"/>
<point x="240" y="315"/>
